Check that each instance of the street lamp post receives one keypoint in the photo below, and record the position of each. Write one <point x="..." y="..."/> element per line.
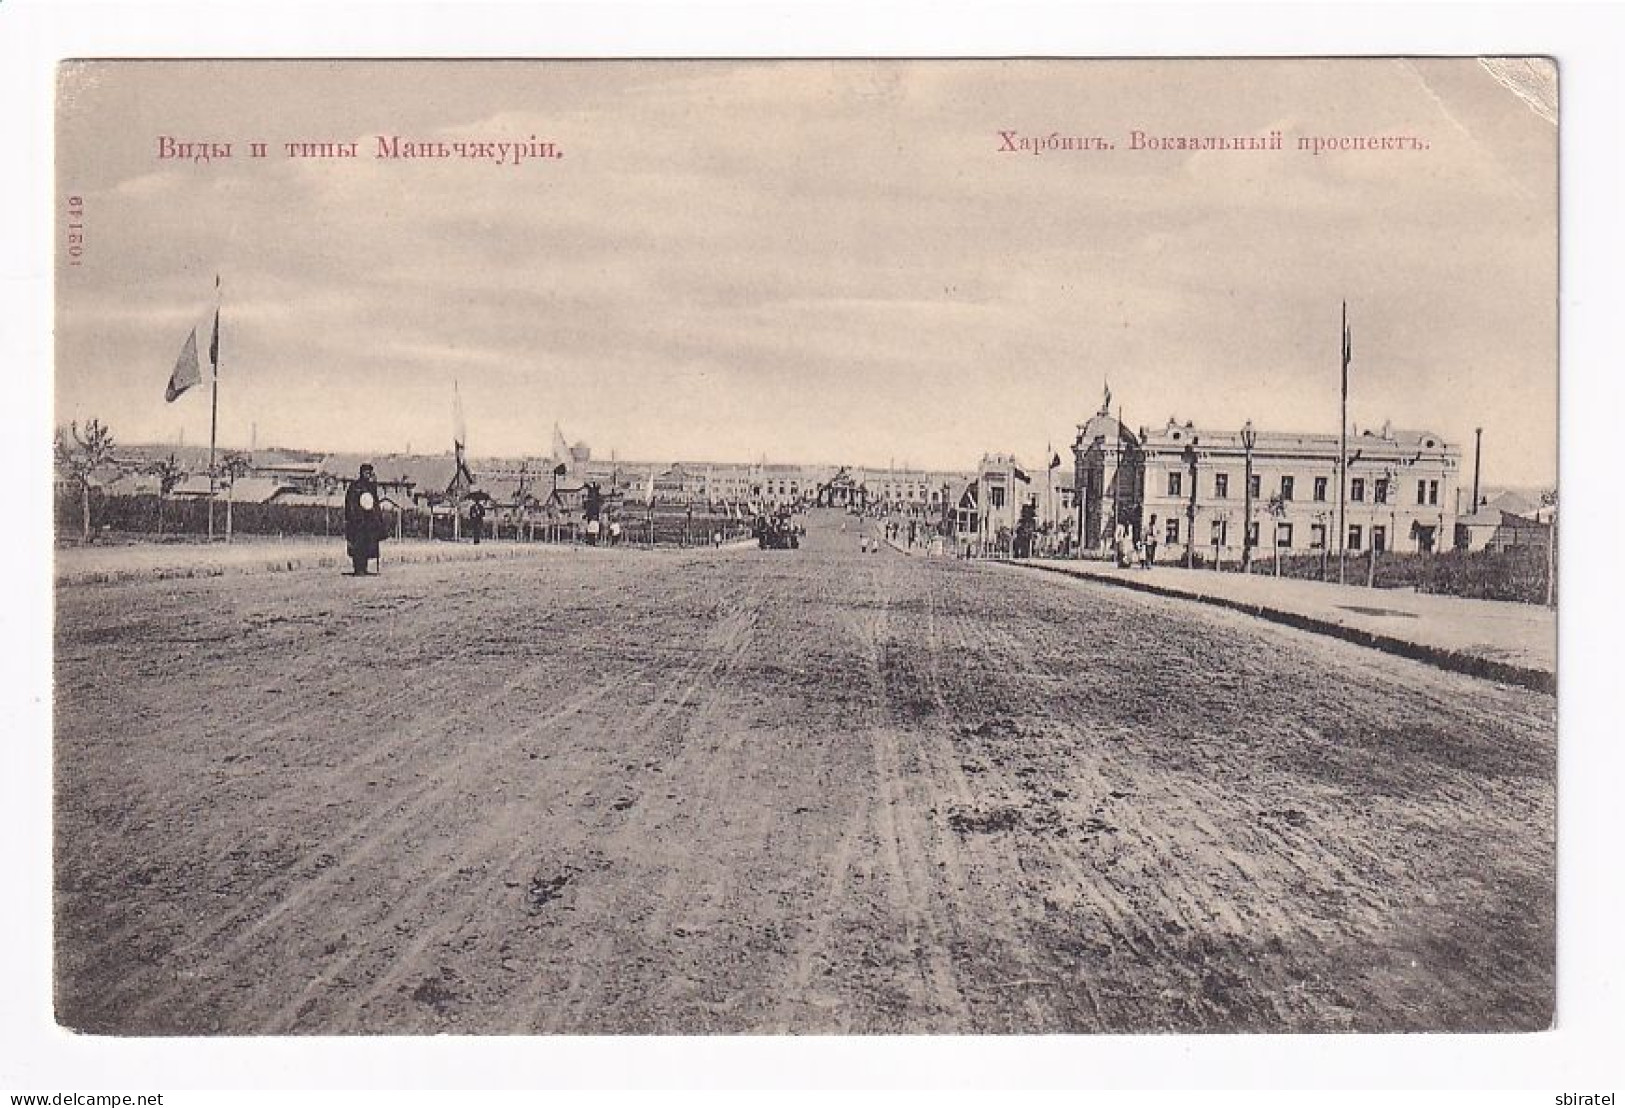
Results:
<point x="1249" y="439"/>
<point x="1386" y="485"/>
<point x="1190" y="507"/>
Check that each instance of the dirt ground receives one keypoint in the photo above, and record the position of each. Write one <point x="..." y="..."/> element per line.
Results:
<point x="809" y="791"/>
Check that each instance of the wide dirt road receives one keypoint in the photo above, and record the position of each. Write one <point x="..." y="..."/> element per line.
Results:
<point x="781" y="791"/>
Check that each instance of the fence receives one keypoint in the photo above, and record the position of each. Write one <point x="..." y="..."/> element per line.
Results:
<point x="150" y="516"/>
<point x="1517" y="574"/>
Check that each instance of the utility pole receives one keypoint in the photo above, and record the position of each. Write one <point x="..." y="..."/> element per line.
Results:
<point x="214" y="399"/>
<point x="1249" y="439"/>
<point x="1343" y="456"/>
<point x="1190" y="508"/>
<point x="1478" y="451"/>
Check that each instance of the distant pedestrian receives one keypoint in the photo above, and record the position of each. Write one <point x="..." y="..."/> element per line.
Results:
<point x="363" y="520"/>
<point x="615" y="533"/>
<point x="1151" y="543"/>
<point x="1125" y="547"/>
<point x="476" y="520"/>
<point x="716" y="540"/>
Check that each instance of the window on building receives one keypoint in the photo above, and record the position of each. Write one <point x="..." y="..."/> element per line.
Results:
<point x="1174" y="482"/>
<point x="1379" y="538"/>
<point x="1320" y="488"/>
<point x="1380" y="492"/>
<point x="1283" y="536"/>
<point x="1433" y="492"/>
<point x="1357" y="489"/>
<point x="1219" y="537"/>
<point x="1421" y="492"/>
<point x="1354" y="536"/>
<point x="1252" y="533"/>
<point x="1258" y="487"/>
<point x="1221" y="485"/>
<point x="995" y="496"/>
<point x="1317" y="536"/>
<point x="1170" y="534"/>
<point x="1286" y="488"/>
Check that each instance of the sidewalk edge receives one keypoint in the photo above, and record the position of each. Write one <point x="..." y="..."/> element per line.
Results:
<point x="1472" y="665"/>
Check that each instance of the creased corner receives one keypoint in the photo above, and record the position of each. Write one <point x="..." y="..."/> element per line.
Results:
<point x="1532" y="80"/>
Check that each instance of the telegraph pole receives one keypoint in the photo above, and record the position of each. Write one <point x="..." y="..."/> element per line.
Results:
<point x="1478" y="451"/>
<point x="1343" y="458"/>
<point x="214" y="399"/>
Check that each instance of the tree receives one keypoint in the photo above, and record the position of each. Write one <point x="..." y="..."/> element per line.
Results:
<point x="169" y="474"/>
<point x="1277" y="510"/>
<point x="82" y="457"/>
<point x="1026" y="527"/>
<point x="234" y="465"/>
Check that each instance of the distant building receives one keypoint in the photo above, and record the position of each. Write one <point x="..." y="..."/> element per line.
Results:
<point x="1498" y="530"/>
<point x="985" y="508"/>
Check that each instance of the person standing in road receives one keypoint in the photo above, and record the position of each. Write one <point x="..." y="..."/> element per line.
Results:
<point x="1151" y="543"/>
<point x="363" y="520"/>
<point x="476" y="520"/>
<point x="1125" y="546"/>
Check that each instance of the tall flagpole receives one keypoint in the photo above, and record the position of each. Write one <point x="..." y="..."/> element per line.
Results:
<point x="1343" y="459"/>
<point x="1049" y="487"/>
<point x="214" y="398"/>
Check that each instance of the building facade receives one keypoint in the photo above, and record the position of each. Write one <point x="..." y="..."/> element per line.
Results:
<point x="1189" y="486"/>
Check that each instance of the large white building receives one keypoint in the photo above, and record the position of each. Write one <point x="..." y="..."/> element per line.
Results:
<point x="1189" y="487"/>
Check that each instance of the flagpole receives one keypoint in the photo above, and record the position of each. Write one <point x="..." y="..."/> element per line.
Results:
<point x="214" y="399"/>
<point x="1343" y="457"/>
<point x="1049" y="486"/>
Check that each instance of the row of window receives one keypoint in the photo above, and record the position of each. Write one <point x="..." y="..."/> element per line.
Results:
<point x="1427" y="491"/>
<point x="1283" y="535"/>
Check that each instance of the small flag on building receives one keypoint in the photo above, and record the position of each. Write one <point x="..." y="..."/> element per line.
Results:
<point x="1055" y="462"/>
<point x="1020" y="475"/>
<point x="186" y="372"/>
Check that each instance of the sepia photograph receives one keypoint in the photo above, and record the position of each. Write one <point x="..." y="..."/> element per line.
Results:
<point x="846" y="547"/>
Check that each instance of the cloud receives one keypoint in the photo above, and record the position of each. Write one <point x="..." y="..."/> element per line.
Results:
<point x="770" y="256"/>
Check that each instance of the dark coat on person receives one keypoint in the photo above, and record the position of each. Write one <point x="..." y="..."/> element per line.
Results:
<point x="364" y="526"/>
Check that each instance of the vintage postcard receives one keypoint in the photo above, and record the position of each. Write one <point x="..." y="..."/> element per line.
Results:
<point x="869" y="547"/>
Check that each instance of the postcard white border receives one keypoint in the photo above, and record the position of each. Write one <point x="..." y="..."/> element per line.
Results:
<point x="1587" y="41"/>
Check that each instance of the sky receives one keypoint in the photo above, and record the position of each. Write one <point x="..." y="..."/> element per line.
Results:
<point x="812" y="261"/>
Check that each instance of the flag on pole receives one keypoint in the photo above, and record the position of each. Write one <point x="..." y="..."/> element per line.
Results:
<point x="1055" y="461"/>
<point x="459" y="426"/>
<point x="186" y="372"/>
<point x="1348" y="349"/>
<point x="214" y="344"/>
<point x="1020" y="475"/>
<point x="561" y="449"/>
<point x="649" y="490"/>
